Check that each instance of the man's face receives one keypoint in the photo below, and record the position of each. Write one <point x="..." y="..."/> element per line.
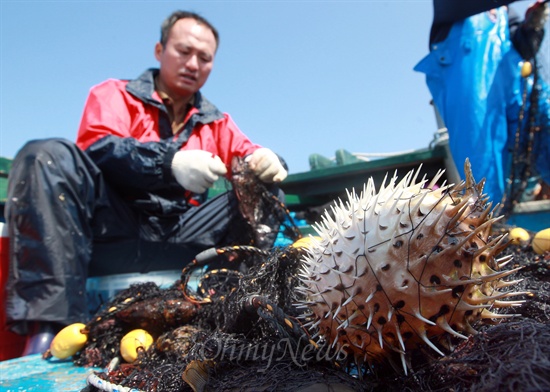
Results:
<point x="187" y="58"/>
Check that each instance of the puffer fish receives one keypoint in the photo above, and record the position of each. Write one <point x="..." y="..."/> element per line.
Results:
<point x="409" y="266"/>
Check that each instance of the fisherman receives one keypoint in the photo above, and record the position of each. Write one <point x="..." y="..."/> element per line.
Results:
<point x="130" y="195"/>
<point x="473" y="71"/>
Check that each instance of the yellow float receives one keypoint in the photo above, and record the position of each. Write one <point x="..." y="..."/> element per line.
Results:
<point x="541" y="241"/>
<point x="306" y="242"/>
<point x="526" y="69"/>
<point x="133" y="342"/>
<point x="519" y="236"/>
<point x="68" y="341"/>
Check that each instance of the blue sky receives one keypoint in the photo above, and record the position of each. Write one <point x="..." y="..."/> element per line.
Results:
<point x="299" y="77"/>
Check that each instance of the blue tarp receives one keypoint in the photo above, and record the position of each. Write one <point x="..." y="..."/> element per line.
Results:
<point x="474" y="78"/>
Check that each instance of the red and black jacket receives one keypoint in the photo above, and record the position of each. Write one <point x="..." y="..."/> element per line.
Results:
<point x="126" y="131"/>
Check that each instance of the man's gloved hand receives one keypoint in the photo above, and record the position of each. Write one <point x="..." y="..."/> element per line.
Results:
<point x="266" y="165"/>
<point x="196" y="170"/>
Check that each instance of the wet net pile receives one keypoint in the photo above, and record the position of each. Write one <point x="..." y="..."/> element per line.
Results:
<point x="237" y="326"/>
<point x="239" y="331"/>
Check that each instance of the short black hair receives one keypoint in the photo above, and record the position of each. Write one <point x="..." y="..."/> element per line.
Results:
<point x="177" y="15"/>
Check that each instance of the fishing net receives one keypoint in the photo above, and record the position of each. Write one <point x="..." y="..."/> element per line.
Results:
<point x="246" y="338"/>
<point x="237" y="327"/>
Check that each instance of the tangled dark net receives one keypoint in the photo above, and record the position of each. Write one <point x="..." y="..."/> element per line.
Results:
<point x="231" y="337"/>
<point x="226" y="342"/>
<point x="105" y="331"/>
<point x="510" y="356"/>
<point x="240" y="330"/>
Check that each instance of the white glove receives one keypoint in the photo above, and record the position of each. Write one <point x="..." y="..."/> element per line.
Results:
<point x="196" y="170"/>
<point x="266" y="165"/>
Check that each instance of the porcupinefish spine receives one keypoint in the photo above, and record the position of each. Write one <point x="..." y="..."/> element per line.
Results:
<point x="404" y="267"/>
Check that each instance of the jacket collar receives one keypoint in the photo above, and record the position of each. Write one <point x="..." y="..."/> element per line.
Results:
<point x="143" y="88"/>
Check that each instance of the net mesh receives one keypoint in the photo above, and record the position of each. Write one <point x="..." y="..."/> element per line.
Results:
<point x="239" y="329"/>
<point x="240" y="341"/>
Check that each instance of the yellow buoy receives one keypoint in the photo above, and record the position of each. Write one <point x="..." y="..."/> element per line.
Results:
<point x="68" y="341"/>
<point x="132" y="342"/>
<point x="519" y="236"/>
<point x="306" y="242"/>
<point x="541" y="241"/>
<point x="526" y="69"/>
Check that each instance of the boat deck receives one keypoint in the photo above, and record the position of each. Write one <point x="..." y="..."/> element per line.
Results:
<point x="32" y="373"/>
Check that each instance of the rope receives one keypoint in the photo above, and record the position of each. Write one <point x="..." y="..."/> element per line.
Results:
<point x="104" y="385"/>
